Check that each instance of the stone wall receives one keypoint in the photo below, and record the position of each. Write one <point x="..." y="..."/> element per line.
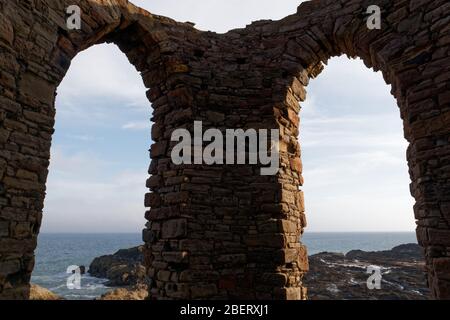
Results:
<point x="225" y="231"/>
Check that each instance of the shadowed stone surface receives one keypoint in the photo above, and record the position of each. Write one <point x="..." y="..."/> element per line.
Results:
<point x="223" y="232"/>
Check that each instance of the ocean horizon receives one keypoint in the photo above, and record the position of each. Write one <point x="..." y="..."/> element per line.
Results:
<point x="57" y="251"/>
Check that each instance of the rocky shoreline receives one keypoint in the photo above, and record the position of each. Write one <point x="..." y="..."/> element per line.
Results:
<point x="335" y="276"/>
<point x="332" y="276"/>
<point x="42" y="294"/>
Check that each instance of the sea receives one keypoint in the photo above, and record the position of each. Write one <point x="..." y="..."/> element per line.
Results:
<point x="57" y="252"/>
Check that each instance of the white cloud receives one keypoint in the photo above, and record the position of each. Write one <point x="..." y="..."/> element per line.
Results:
<point x="84" y="196"/>
<point x="102" y="72"/>
<point x="101" y="89"/>
<point x="354" y="153"/>
<point x="346" y="138"/>
<point x="360" y="211"/>
<point x="218" y="15"/>
<point x="83" y="137"/>
<point x="139" y="125"/>
<point x="76" y="164"/>
<point x="353" y="169"/>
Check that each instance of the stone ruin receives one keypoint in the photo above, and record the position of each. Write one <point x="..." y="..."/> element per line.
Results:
<point x="223" y="231"/>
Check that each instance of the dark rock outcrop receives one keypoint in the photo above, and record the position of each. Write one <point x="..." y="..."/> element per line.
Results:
<point x="338" y="276"/>
<point x="124" y="268"/>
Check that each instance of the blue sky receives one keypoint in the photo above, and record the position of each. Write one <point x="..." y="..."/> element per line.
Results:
<point x="353" y="148"/>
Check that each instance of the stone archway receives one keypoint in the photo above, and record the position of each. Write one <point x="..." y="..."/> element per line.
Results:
<point x="408" y="50"/>
<point x="222" y="231"/>
<point x="37" y="50"/>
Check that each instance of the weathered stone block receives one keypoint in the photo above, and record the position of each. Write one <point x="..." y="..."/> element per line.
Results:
<point x="441" y="268"/>
<point x="6" y="30"/>
<point x="149" y="236"/>
<point x="174" y="229"/>
<point x="228" y="282"/>
<point x="234" y="259"/>
<point x="4" y="135"/>
<point x="303" y="262"/>
<point x="152" y="200"/>
<point x="154" y="181"/>
<point x="274" y="279"/>
<point x="203" y="291"/>
<point x="37" y="87"/>
<point x="176" y="197"/>
<point x="176" y="257"/>
<point x="288" y="226"/>
<point x="439" y="237"/>
<point x="27" y="175"/>
<point x="4" y="228"/>
<point x="158" y="149"/>
<point x="289" y="255"/>
<point x="215" y="117"/>
<point x="198" y="276"/>
<point x="288" y="293"/>
<point x="287" y="196"/>
<point x="266" y="240"/>
<point x="22" y="230"/>
<point x="163" y="275"/>
<point x="9" y="267"/>
<point x="192" y="245"/>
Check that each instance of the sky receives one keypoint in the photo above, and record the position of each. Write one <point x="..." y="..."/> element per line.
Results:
<point x="354" y="153"/>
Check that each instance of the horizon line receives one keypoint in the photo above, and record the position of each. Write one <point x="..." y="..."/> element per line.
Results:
<point x="308" y="232"/>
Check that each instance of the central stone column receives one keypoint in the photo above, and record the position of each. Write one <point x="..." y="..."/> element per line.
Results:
<point x="224" y="231"/>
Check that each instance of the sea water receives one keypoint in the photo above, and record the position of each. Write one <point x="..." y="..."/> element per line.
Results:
<point x="56" y="252"/>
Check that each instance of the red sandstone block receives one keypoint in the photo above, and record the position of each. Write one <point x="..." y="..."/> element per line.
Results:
<point x="203" y="291"/>
<point x="288" y="226"/>
<point x="296" y="165"/>
<point x="302" y="261"/>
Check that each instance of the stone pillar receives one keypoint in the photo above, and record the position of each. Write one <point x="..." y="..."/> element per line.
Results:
<point x="221" y="231"/>
<point x="429" y="154"/>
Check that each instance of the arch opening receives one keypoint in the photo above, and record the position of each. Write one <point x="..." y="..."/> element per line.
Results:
<point x="408" y="69"/>
<point x="356" y="187"/>
<point x="353" y="146"/>
<point x="98" y="166"/>
<point x="26" y="193"/>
